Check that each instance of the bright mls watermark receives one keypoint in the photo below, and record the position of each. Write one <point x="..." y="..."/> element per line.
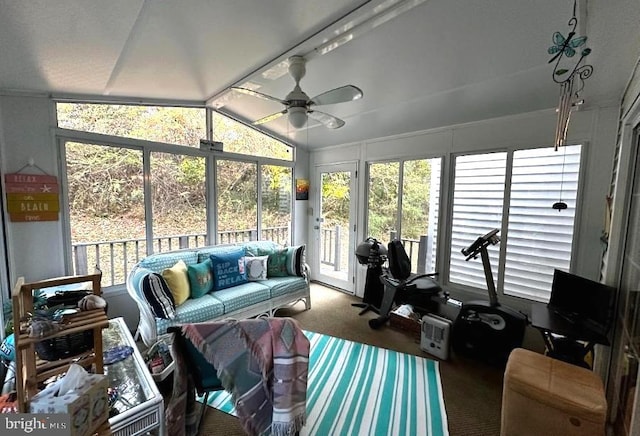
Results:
<point x="35" y="424"/>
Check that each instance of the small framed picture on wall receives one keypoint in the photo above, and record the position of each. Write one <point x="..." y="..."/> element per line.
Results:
<point x="302" y="189"/>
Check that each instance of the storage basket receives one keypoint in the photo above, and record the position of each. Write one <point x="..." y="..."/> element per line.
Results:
<point x="408" y="325"/>
<point x="69" y="345"/>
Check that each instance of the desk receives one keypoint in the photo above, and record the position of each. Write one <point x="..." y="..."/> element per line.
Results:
<point x="565" y="340"/>
<point x="140" y="404"/>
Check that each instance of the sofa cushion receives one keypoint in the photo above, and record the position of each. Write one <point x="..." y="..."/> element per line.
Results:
<point x="200" y="278"/>
<point x="277" y="264"/>
<point x="158" y="262"/>
<point x="178" y="281"/>
<point x="158" y="295"/>
<point x="205" y="253"/>
<point x="228" y="268"/>
<point x="256" y="268"/>
<point x="284" y="285"/>
<point x="260" y="248"/>
<point x="295" y="260"/>
<point x="238" y="297"/>
<point x="202" y="309"/>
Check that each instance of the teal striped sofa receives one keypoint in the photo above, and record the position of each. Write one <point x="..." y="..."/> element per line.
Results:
<point x="247" y="300"/>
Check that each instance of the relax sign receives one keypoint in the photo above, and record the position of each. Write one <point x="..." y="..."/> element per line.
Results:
<point x="32" y="197"/>
<point x="229" y="273"/>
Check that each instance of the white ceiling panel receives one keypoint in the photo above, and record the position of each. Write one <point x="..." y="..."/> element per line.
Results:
<point x="63" y="45"/>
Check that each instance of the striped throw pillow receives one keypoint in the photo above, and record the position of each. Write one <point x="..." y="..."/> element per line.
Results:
<point x="295" y="260"/>
<point x="158" y="295"/>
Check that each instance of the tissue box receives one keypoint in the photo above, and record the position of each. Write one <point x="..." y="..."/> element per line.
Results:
<point x="87" y="407"/>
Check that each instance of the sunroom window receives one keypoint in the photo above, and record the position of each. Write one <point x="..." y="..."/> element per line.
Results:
<point x="403" y="202"/>
<point x="129" y="197"/>
<point x="535" y="237"/>
<point x="172" y="125"/>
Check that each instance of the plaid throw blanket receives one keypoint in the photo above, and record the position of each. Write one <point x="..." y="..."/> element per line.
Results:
<point x="264" y="364"/>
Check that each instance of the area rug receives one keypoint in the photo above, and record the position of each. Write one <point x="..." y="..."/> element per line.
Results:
<point x="359" y="389"/>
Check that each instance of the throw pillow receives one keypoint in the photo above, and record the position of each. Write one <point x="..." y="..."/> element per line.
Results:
<point x="158" y="295"/>
<point x="295" y="260"/>
<point x="256" y="268"/>
<point x="200" y="278"/>
<point x="228" y="268"/>
<point x="277" y="264"/>
<point x="178" y="281"/>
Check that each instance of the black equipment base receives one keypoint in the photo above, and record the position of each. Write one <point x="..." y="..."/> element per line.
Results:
<point x="373" y="291"/>
<point x="488" y="333"/>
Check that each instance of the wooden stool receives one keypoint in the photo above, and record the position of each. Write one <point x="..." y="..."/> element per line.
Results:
<point x="545" y="396"/>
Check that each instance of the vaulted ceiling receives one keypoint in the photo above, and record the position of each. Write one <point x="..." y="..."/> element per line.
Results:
<point x="421" y="64"/>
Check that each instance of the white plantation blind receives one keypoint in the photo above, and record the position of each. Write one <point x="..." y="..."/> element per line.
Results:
<point x="539" y="238"/>
<point x="477" y="209"/>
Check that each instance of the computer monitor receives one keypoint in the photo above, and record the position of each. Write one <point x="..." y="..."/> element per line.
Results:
<point x="583" y="301"/>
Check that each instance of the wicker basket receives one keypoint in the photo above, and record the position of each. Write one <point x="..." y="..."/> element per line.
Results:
<point x="408" y="325"/>
<point x="69" y="345"/>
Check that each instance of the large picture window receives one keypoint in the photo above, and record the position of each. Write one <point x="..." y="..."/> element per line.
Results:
<point x="150" y="193"/>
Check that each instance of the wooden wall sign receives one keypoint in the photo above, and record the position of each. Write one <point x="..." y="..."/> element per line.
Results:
<point x="32" y="197"/>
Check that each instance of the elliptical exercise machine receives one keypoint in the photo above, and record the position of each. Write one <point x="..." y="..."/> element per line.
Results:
<point x="485" y="329"/>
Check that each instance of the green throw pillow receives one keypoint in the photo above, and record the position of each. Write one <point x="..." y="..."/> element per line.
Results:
<point x="277" y="264"/>
<point x="200" y="278"/>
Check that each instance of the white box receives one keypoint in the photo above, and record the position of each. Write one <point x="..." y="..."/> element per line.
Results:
<point x="88" y="408"/>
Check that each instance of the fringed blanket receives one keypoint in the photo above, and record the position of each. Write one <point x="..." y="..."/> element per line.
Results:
<point x="264" y="364"/>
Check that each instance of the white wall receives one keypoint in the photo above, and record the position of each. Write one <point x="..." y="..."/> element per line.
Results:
<point x="34" y="249"/>
<point x="596" y="128"/>
<point x="300" y="207"/>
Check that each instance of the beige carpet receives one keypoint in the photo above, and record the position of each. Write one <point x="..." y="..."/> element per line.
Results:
<point x="472" y="390"/>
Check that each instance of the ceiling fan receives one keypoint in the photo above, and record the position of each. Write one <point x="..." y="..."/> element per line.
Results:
<point x="298" y="105"/>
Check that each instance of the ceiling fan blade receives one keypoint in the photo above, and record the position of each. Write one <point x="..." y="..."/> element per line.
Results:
<point x="258" y="94"/>
<point x="337" y="95"/>
<point x="328" y="120"/>
<point x="270" y="117"/>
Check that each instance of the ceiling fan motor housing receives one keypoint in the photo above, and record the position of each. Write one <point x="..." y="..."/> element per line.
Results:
<point x="297" y="68"/>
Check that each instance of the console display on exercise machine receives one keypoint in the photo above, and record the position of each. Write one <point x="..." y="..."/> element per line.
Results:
<point x="581" y="301"/>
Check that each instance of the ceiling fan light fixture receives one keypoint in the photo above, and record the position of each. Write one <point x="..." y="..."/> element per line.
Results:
<point x="297" y="117"/>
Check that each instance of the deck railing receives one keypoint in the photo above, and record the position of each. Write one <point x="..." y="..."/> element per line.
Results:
<point x="332" y="246"/>
<point x="116" y="258"/>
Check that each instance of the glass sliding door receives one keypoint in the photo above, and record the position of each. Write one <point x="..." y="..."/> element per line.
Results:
<point x="402" y="203"/>
<point x="335" y="225"/>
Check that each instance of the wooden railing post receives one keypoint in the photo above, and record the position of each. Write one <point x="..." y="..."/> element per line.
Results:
<point x="422" y="255"/>
<point x="336" y="257"/>
<point x="183" y="242"/>
<point x="81" y="260"/>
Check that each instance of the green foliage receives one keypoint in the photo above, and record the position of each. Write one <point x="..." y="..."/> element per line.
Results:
<point x="384" y="179"/>
<point x="106" y="187"/>
<point x="335" y="198"/>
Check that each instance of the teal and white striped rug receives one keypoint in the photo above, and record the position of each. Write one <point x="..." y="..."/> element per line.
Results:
<point x="358" y="389"/>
